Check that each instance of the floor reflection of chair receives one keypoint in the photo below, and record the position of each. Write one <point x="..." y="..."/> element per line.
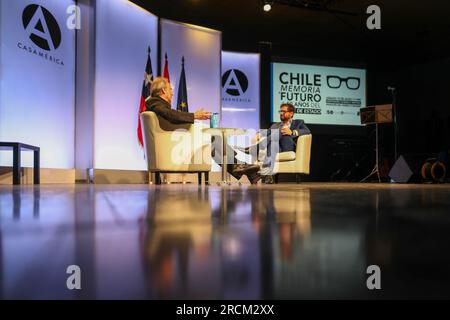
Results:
<point x="294" y="208"/>
<point x="178" y="208"/>
<point x="178" y="236"/>
<point x="293" y="216"/>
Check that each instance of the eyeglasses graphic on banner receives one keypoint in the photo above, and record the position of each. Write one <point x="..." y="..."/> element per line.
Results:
<point x="335" y="82"/>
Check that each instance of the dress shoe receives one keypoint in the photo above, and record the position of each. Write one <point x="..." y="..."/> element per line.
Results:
<point x="268" y="180"/>
<point x="240" y="169"/>
<point x="254" y="177"/>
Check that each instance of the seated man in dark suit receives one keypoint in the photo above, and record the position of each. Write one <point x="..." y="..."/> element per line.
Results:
<point x="171" y="120"/>
<point x="285" y="132"/>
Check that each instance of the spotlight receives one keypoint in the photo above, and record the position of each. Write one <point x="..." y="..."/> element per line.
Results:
<point x="267" y="6"/>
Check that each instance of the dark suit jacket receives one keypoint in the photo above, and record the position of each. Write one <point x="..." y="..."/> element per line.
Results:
<point x="169" y="119"/>
<point x="298" y="128"/>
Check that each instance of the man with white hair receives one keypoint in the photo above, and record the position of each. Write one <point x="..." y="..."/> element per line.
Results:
<point x="160" y="103"/>
<point x="170" y="120"/>
<point x="281" y="137"/>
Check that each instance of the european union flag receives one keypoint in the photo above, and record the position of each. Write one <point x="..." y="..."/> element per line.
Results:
<point x="182" y="101"/>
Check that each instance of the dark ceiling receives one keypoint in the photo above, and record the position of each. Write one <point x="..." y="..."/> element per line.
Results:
<point x="412" y="31"/>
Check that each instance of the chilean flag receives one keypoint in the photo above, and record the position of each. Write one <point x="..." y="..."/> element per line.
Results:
<point x="148" y="79"/>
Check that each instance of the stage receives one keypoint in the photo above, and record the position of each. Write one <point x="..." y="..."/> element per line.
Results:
<point x="285" y="241"/>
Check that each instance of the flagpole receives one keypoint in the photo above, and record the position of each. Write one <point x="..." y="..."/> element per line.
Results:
<point x="166" y="75"/>
<point x="183" y="176"/>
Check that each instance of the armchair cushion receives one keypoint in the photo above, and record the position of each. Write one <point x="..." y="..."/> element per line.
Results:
<point x="285" y="156"/>
<point x="300" y="163"/>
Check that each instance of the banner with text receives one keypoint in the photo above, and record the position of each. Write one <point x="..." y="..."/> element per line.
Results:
<point x="320" y="94"/>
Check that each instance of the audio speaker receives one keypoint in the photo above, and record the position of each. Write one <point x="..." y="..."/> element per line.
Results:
<point x="434" y="170"/>
<point x="407" y="168"/>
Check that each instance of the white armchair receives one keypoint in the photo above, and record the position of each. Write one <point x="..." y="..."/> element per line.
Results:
<point x="181" y="151"/>
<point x="297" y="162"/>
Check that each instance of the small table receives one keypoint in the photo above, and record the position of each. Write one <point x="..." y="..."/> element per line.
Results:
<point x="17" y="149"/>
<point x="225" y="132"/>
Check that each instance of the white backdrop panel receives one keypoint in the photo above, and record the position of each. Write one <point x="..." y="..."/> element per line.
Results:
<point x="123" y="34"/>
<point x="37" y="80"/>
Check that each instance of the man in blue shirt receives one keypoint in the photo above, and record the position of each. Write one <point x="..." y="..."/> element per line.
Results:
<point x="285" y="132"/>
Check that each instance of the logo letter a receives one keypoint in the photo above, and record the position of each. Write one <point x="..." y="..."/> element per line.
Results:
<point x="38" y="27"/>
<point x="233" y="83"/>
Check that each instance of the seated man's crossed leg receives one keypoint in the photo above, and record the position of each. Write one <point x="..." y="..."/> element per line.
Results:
<point x="234" y="167"/>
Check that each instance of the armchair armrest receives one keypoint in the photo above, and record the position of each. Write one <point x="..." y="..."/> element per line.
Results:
<point x="303" y="153"/>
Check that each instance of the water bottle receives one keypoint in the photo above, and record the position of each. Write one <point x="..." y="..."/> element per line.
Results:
<point x="214" y="121"/>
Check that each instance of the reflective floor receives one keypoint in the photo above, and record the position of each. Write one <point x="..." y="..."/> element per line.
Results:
<point x="264" y="242"/>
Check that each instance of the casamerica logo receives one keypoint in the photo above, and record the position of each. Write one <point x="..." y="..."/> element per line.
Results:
<point x="235" y="82"/>
<point x="43" y="30"/>
<point x="42" y="27"/>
